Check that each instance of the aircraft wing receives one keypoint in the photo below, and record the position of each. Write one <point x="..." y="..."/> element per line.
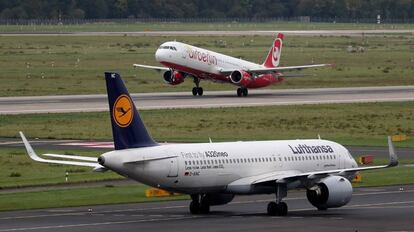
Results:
<point x="270" y="70"/>
<point x="83" y="161"/>
<point x="285" y="177"/>
<point x="156" y="68"/>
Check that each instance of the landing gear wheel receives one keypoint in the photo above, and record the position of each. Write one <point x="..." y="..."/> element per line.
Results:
<point x="245" y="92"/>
<point x="200" y="91"/>
<point x="239" y="92"/>
<point x="204" y="209"/>
<point x="194" y="207"/>
<point x="283" y="208"/>
<point x="195" y="91"/>
<point x="274" y="209"/>
<point x="271" y="208"/>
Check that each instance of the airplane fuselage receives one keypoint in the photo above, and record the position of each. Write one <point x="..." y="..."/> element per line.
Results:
<point x="217" y="167"/>
<point x="206" y="64"/>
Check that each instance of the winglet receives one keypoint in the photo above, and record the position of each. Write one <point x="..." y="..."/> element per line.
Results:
<point x="29" y="148"/>
<point x="393" y="155"/>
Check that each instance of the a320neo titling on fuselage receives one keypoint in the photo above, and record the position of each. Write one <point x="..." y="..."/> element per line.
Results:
<point x="182" y="60"/>
<point x="213" y="173"/>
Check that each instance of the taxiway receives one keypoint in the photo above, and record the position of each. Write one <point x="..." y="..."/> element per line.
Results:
<point x="211" y="99"/>
<point x="371" y="209"/>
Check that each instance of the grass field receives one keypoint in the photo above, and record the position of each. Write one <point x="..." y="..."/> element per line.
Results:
<point x="78" y="197"/>
<point x="180" y="26"/>
<point x="19" y="170"/>
<point x="75" y="65"/>
<point x="351" y="124"/>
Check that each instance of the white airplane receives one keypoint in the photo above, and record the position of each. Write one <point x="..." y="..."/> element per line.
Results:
<point x="212" y="173"/>
<point x="182" y="60"/>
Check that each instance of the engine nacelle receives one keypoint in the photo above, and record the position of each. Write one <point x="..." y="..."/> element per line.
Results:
<point x="217" y="198"/>
<point x="241" y="78"/>
<point x="174" y="77"/>
<point x="330" y="192"/>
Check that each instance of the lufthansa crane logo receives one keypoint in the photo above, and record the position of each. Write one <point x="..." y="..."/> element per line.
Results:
<point x="122" y="111"/>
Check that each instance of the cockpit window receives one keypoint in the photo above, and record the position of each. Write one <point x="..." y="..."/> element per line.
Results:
<point x="168" y="47"/>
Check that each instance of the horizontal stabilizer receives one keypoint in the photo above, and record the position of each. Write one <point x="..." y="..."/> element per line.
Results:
<point x="32" y="154"/>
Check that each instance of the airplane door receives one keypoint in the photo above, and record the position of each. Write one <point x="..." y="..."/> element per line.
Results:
<point x="173" y="167"/>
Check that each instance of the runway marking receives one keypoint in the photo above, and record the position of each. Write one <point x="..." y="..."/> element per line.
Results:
<point x="94" y="224"/>
<point x="379" y="204"/>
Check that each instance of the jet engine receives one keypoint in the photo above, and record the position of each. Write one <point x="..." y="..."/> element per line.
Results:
<point x="217" y="198"/>
<point x="174" y="77"/>
<point x="241" y="78"/>
<point x="330" y="192"/>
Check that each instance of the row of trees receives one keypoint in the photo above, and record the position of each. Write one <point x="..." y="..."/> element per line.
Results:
<point x="251" y="9"/>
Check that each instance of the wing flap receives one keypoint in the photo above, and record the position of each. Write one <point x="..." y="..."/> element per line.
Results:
<point x="275" y="69"/>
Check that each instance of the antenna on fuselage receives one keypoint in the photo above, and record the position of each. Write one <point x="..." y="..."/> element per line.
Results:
<point x="209" y="139"/>
<point x="319" y="136"/>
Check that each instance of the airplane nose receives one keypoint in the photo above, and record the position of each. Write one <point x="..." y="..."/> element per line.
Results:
<point x="158" y="55"/>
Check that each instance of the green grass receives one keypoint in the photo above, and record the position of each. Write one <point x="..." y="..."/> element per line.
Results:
<point x="178" y="26"/>
<point x="18" y="170"/>
<point x="350" y="124"/>
<point x="78" y="197"/>
<point x="75" y="65"/>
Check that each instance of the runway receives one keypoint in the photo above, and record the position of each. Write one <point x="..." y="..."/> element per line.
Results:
<point x="211" y="99"/>
<point x="223" y="33"/>
<point x="371" y="209"/>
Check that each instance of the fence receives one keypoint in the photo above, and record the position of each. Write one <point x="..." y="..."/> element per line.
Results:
<point x="303" y="19"/>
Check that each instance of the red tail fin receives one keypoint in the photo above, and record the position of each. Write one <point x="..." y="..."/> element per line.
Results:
<point x="273" y="58"/>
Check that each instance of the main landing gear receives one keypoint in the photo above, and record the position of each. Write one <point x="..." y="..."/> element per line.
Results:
<point x="197" y="90"/>
<point x="242" y="92"/>
<point x="278" y="208"/>
<point x="199" y="205"/>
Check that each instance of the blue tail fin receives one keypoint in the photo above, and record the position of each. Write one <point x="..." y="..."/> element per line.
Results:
<point x="127" y="127"/>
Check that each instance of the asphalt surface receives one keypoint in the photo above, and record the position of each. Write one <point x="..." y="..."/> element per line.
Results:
<point x="221" y="33"/>
<point x="211" y="99"/>
<point x="371" y="209"/>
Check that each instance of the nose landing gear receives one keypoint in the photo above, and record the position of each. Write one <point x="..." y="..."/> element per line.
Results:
<point x="197" y="90"/>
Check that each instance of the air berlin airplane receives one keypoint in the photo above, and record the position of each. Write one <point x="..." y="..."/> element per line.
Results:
<point x="182" y="60"/>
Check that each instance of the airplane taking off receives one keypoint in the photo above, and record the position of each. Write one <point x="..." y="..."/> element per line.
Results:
<point x="182" y="60"/>
<point x="213" y="173"/>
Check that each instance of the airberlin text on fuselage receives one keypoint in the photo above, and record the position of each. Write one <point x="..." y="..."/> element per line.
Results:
<point x="202" y="56"/>
<point x="303" y="148"/>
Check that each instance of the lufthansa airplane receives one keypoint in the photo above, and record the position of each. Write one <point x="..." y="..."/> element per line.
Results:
<point x="181" y="60"/>
<point x="213" y="173"/>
